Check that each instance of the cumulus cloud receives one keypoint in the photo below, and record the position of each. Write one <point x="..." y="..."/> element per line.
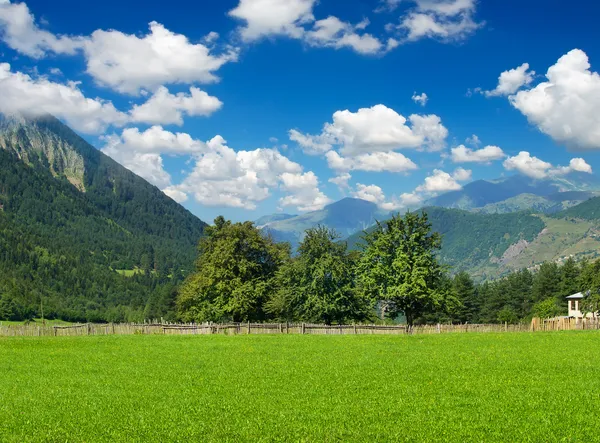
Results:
<point x="439" y="181"/>
<point x="128" y="63"/>
<point x="158" y="140"/>
<point x="20" y="32"/>
<point x="341" y="181"/>
<point x="371" y="193"/>
<point x="512" y="80"/>
<point x="375" y="194"/>
<point x="421" y="99"/>
<point x="445" y="20"/>
<point x="147" y="165"/>
<point x="220" y="176"/>
<point x="566" y="106"/>
<point x="462" y="154"/>
<point x="311" y="144"/>
<point x="533" y="167"/>
<point x="264" y="18"/>
<point x="374" y="162"/>
<point x="461" y="174"/>
<point x="334" y="33"/>
<point x="380" y="128"/>
<point x="124" y="62"/>
<point x="165" y="108"/>
<point x="295" y="19"/>
<point x="33" y="96"/>
<point x="304" y="193"/>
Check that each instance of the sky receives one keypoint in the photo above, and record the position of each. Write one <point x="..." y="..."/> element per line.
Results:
<point x="244" y="108"/>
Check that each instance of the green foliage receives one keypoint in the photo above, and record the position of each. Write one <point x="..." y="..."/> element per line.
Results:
<point x="548" y="308"/>
<point x="234" y="274"/>
<point x="433" y="388"/>
<point x="319" y="284"/>
<point x="471" y="240"/>
<point x="590" y="284"/>
<point x="547" y="283"/>
<point x="399" y="266"/>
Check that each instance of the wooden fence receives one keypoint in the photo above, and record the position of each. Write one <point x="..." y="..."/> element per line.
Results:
<point x="286" y="328"/>
<point x="565" y="324"/>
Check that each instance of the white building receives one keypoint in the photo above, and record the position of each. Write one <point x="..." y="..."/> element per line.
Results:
<point x="575" y="306"/>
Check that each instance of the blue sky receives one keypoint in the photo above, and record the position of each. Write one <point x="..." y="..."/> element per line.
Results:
<point x="294" y="93"/>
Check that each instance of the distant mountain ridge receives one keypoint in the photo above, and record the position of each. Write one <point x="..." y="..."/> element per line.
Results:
<point x="346" y="216"/>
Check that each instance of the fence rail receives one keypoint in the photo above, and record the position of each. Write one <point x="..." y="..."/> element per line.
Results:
<point x="556" y="324"/>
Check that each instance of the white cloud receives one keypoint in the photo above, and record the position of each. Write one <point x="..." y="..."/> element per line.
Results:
<point x="334" y="33"/>
<point x="410" y="199"/>
<point x="387" y="6"/>
<point x="23" y="94"/>
<point x="431" y="130"/>
<point x="461" y="174"/>
<point x="566" y="106"/>
<point x="446" y="20"/>
<point x="303" y="190"/>
<point x="527" y="165"/>
<point x="473" y="141"/>
<point x="512" y="80"/>
<point x="295" y="19"/>
<point x="580" y="165"/>
<point x="462" y="154"/>
<point x="224" y="177"/>
<point x="533" y="167"/>
<point x="20" y="32"/>
<point x="124" y="62"/>
<point x="375" y="194"/>
<point x="421" y="99"/>
<point x="158" y="140"/>
<point x="371" y="193"/>
<point x="165" y="108"/>
<point x="374" y="162"/>
<point x="147" y="165"/>
<point x="341" y="181"/>
<point x="311" y="144"/>
<point x="176" y="194"/>
<point x="264" y="18"/>
<point x="379" y="128"/>
<point x="439" y="181"/>
<point x="128" y="63"/>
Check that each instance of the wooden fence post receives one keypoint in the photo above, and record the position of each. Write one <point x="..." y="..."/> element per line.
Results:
<point x="354" y="327"/>
<point x="248" y="326"/>
<point x="302" y="328"/>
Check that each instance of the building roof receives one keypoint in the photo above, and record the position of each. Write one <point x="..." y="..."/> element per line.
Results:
<point x="575" y="296"/>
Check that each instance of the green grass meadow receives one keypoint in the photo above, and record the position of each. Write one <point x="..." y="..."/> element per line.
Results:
<point x="511" y="387"/>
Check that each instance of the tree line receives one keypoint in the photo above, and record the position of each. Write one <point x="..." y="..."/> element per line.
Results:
<point x="243" y="275"/>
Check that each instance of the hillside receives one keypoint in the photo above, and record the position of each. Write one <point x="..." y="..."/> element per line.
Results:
<point x="472" y="241"/>
<point x="588" y="210"/>
<point x="491" y="245"/>
<point x="71" y="217"/>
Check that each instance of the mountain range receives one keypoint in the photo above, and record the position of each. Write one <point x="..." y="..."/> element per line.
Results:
<point x="489" y="228"/>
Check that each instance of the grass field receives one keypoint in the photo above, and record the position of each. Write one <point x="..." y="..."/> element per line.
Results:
<point x="454" y="387"/>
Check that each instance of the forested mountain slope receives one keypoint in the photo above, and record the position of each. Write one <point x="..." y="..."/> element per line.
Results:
<point x="71" y="217"/>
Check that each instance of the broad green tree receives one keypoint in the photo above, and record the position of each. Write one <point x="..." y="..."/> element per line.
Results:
<point x="319" y="284"/>
<point x="547" y="308"/>
<point x="234" y="274"/>
<point x="399" y="266"/>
